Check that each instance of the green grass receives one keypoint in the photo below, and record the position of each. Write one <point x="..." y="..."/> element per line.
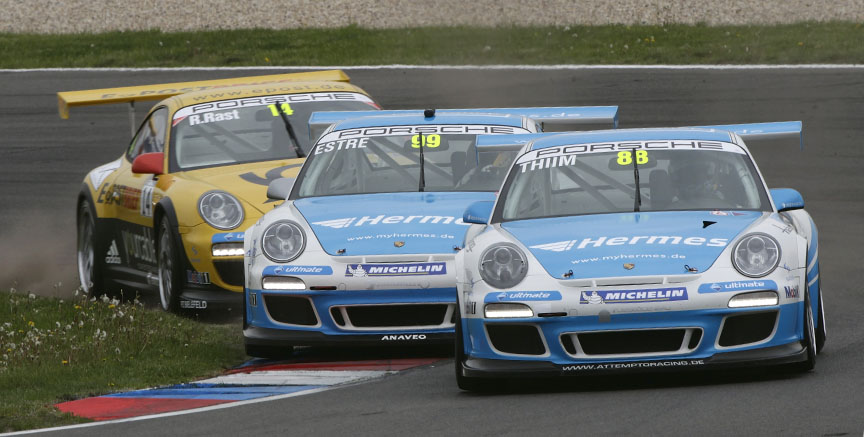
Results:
<point x="55" y="350"/>
<point x="837" y="42"/>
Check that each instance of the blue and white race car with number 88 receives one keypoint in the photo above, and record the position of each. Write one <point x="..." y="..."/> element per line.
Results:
<point x="638" y="249"/>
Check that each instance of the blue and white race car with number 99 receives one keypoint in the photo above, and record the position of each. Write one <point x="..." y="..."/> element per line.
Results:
<point x="638" y="249"/>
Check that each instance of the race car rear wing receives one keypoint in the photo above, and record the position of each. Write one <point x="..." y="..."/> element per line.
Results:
<point x="508" y="142"/>
<point x="764" y="131"/>
<point x="552" y="119"/>
<point x="132" y="94"/>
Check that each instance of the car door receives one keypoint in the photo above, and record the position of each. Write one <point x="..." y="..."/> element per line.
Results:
<point x="133" y="197"/>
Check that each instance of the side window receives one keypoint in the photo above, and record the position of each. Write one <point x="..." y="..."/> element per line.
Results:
<point x="151" y="134"/>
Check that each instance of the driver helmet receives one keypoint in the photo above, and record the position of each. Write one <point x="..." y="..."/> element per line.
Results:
<point x="694" y="176"/>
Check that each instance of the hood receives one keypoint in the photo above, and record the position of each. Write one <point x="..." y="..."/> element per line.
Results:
<point x="247" y="181"/>
<point x="390" y="223"/>
<point x="630" y="244"/>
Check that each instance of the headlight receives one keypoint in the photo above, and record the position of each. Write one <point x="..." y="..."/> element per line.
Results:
<point x="503" y="265"/>
<point x="507" y="310"/>
<point x="754" y="299"/>
<point x="283" y="241"/>
<point x="220" y="210"/>
<point x="756" y="255"/>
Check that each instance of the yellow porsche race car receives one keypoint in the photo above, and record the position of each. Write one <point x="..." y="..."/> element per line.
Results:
<point x="169" y="214"/>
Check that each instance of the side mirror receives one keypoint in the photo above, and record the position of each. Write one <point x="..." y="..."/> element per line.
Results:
<point x="280" y="188"/>
<point x="478" y="213"/>
<point x="787" y="199"/>
<point x="149" y="163"/>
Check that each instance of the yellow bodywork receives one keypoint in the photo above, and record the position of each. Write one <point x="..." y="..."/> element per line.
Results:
<point x="117" y="194"/>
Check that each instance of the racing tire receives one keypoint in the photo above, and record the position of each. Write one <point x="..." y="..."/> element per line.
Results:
<point x="90" y="267"/>
<point x="809" y="339"/>
<point x="466" y="383"/>
<point x="269" y="352"/>
<point x="821" y="331"/>
<point x="168" y="265"/>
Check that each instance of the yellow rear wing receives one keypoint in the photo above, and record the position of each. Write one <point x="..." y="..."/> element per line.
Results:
<point x="132" y="94"/>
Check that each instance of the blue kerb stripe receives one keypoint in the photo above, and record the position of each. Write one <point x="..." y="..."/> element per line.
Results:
<point x="209" y="391"/>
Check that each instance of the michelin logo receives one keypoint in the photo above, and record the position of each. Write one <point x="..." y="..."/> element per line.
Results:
<point x="390" y="220"/>
<point x="633" y="296"/>
<point x="563" y="246"/>
<point x="415" y="269"/>
<point x="519" y="296"/>
<point x="721" y="287"/>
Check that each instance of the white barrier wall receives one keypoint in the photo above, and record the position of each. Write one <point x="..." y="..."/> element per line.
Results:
<point x="73" y="16"/>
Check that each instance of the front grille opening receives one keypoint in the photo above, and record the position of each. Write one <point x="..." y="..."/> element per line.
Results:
<point x="516" y="339"/>
<point x="337" y="316"/>
<point x="231" y="272"/>
<point x="290" y="309"/>
<point x="631" y="342"/>
<point x="747" y="328"/>
<point x="567" y="342"/>
<point x="370" y="316"/>
<point x="695" y="337"/>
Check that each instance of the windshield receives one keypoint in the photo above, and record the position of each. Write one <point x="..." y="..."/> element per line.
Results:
<point x="354" y="162"/>
<point x="575" y="180"/>
<point x="251" y="129"/>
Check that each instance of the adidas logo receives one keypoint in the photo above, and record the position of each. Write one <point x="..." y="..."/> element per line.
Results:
<point x="113" y="256"/>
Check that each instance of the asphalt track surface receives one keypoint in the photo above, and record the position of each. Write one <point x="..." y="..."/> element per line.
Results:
<point x="43" y="159"/>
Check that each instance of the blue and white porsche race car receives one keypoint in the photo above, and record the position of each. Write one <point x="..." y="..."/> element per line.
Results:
<point x="363" y="248"/>
<point x="638" y="249"/>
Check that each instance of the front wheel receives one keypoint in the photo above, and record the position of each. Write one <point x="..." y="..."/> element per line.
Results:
<point x="821" y="331"/>
<point x="90" y="267"/>
<point x="168" y="266"/>
<point x="809" y="335"/>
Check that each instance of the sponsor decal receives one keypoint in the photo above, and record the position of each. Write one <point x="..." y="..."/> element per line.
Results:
<point x="629" y="266"/>
<point x="292" y="270"/>
<point x="193" y="304"/>
<point x="398" y="235"/>
<point x="633" y="296"/>
<point x="98" y="174"/>
<point x="518" y="296"/>
<point x="426" y="129"/>
<point x="470" y="308"/>
<point x="403" y="337"/>
<point x="561" y="156"/>
<point x="230" y="237"/>
<point x="253" y="300"/>
<point x="140" y="246"/>
<point x="563" y="246"/>
<point x="113" y="255"/>
<point x="632" y="365"/>
<point x="146" y="209"/>
<point x="250" y="102"/>
<point x="752" y="284"/>
<point x="413" y="269"/>
<point x="211" y="117"/>
<point x="200" y="278"/>
<point x="127" y="197"/>
<point x="269" y="177"/>
<point x="791" y="291"/>
<point x="720" y="213"/>
<point x="335" y="146"/>
<point x="390" y="220"/>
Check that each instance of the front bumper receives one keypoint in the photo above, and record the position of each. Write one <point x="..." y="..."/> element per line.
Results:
<point x="775" y="355"/>
<point x="555" y="352"/>
<point x="326" y="317"/>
